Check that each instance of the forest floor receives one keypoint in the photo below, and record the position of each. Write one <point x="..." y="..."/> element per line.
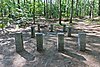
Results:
<point x="50" y="57"/>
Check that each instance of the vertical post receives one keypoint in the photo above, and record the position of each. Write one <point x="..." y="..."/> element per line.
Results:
<point x="38" y="27"/>
<point x="64" y="28"/>
<point x="19" y="42"/>
<point x="60" y="41"/>
<point x="69" y="31"/>
<point x="82" y="41"/>
<point x="32" y="32"/>
<point x="39" y="40"/>
<point x="51" y="28"/>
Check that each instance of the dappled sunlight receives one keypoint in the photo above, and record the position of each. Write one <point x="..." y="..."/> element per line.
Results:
<point x="50" y="56"/>
<point x="18" y="61"/>
<point x="66" y="55"/>
<point x="49" y="17"/>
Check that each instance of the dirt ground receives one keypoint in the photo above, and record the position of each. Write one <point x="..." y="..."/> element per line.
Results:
<point x="50" y="57"/>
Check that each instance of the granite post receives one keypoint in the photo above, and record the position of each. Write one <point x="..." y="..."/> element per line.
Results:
<point x="60" y="41"/>
<point x="82" y="41"/>
<point x="69" y="31"/>
<point x="19" y="42"/>
<point x="32" y="32"/>
<point x="39" y="40"/>
<point x="51" y="28"/>
<point x="38" y="27"/>
<point x="64" y="28"/>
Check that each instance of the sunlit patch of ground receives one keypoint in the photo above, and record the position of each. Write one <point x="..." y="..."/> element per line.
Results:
<point x="72" y="57"/>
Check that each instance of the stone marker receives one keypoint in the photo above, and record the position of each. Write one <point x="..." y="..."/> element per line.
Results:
<point x="64" y="28"/>
<point x="82" y="41"/>
<point x="19" y="41"/>
<point x="38" y="27"/>
<point x="51" y="28"/>
<point x="69" y="31"/>
<point x="39" y="40"/>
<point x="60" y="41"/>
<point x="32" y="32"/>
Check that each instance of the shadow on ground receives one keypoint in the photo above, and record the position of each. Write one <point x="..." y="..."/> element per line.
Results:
<point x="71" y="54"/>
<point x="26" y="55"/>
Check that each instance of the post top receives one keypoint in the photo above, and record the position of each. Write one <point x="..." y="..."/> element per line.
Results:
<point x="38" y="33"/>
<point x="32" y="26"/>
<point x="60" y="33"/>
<point x="18" y="32"/>
<point x="82" y="33"/>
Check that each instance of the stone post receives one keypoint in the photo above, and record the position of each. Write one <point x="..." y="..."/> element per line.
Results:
<point x="51" y="28"/>
<point x="32" y="32"/>
<point x="60" y="41"/>
<point x="19" y="41"/>
<point x="82" y="41"/>
<point x="69" y="31"/>
<point x="38" y="27"/>
<point x="39" y="40"/>
<point x="64" y="28"/>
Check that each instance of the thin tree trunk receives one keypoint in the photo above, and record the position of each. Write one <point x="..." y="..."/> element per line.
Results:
<point x="50" y="8"/>
<point x="34" y="11"/>
<point x="67" y="3"/>
<point x="18" y="4"/>
<point x="44" y="8"/>
<point x="30" y="9"/>
<point x="24" y="2"/>
<point x="99" y="9"/>
<point x="64" y="6"/>
<point x="14" y="3"/>
<point x="71" y="12"/>
<point x="60" y="12"/>
<point x="2" y="18"/>
<point x="88" y="12"/>
<point x="91" y="9"/>
<point x="80" y="8"/>
<point x="77" y="7"/>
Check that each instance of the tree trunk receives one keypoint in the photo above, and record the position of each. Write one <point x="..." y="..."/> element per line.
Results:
<point x="50" y="8"/>
<point x="80" y="9"/>
<point x="77" y="7"/>
<point x="99" y="9"/>
<point x="24" y="2"/>
<point x="91" y="9"/>
<point x="60" y="12"/>
<point x="44" y="8"/>
<point x="19" y="4"/>
<point x="64" y="6"/>
<point x="14" y="3"/>
<point x="71" y="12"/>
<point x="2" y="17"/>
<point x="34" y="11"/>
<point x="67" y="3"/>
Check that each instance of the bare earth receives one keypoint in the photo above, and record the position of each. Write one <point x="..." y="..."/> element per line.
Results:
<point x="50" y="57"/>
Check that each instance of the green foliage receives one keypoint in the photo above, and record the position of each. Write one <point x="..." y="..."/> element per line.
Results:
<point x="9" y="8"/>
<point x="2" y="25"/>
<point x="39" y="8"/>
